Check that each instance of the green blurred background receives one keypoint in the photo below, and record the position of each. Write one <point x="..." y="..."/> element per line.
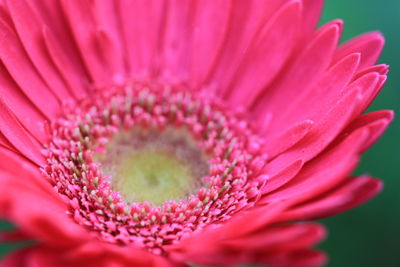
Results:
<point x="368" y="236"/>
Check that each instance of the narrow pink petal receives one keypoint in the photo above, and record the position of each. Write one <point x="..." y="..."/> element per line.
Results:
<point x="142" y="43"/>
<point x="329" y="88"/>
<point x="376" y="122"/>
<point x="111" y="57"/>
<point x="262" y="123"/>
<point x="322" y="133"/>
<point x="15" y="165"/>
<point x="382" y="69"/>
<point x="176" y="41"/>
<point x="312" y="10"/>
<point x="21" y="140"/>
<point x="210" y="241"/>
<point x="119" y="255"/>
<point x="262" y="216"/>
<point x="369" y="85"/>
<point x="61" y="49"/>
<point x="28" y="115"/>
<point x="287" y="139"/>
<point x="301" y="74"/>
<point x="324" y="172"/>
<point x="49" y="12"/>
<point x="29" y="29"/>
<point x="365" y="82"/>
<point x="292" y="236"/>
<point x="5" y="144"/>
<point x="68" y="66"/>
<point x="78" y="13"/>
<point x="248" y="18"/>
<point x="211" y="26"/>
<point x="371" y="92"/>
<point x="282" y="175"/>
<point x="351" y="193"/>
<point x="18" y="65"/>
<point x="5" y="14"/>
<point x="319" y="98"/>
<point x="226" y="251"/>
<point x="110" y="39"/>
<point x="267" y="53"/>
<point x="369" y="45"/>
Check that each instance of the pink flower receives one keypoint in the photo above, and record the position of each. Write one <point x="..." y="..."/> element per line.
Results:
<point x="163" y="133"/>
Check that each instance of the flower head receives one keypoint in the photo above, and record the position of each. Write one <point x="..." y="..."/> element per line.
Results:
<point x="164" y="133"/>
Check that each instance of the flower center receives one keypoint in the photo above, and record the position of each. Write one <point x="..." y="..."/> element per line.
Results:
<point x="149" y="165"/>
<point x="156" y="167"/>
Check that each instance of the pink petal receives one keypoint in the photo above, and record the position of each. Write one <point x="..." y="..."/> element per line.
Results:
<point x="142" y="43"/>
<point x="241" y="225"/>
<point x="6" y="145"/>
<point x="267" y="53"/>
<point x="28" y="200"/>
<point x="69" y="66"/>
<point x="278" y="144"/>
<point x="61" y="48"/>
<point x="376" y="123"/>
<point x="292" y="236"/>
<point x="301" y="73"/>
<point x="18" y="65"/>
<point x="87" y="40"/>
<point x="325" y="93"/>
<point x="382" y="69"/>
<point x="38" y="214"/>
<point x="282" y="176"/>
<point x="369" y="45"/>
<point x="110" y="39"/>
<point x="20" y="139"/>
<point x="269" y="241"/>
<point x="369" y="86"/>
<point x="351" y="193"/>
<point x="324" y="172"/>
<point x="114" y="254"/>
<point x="322" y="133"/>
<point x="319" y="98"/>
<point x="176" y="42"/>
<point x="312" y="10"/>
<point x="248" y="18"/>
<point x="211" y="26"/>
<point x="29" y="116"/>
<point x="29" y="30"/>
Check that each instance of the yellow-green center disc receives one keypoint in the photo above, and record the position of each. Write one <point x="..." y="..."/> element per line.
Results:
<point x="152" y="175"/>
<point x="154" y="167"/>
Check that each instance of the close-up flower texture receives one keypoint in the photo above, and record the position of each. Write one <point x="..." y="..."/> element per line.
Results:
<point x="180" y="133"/>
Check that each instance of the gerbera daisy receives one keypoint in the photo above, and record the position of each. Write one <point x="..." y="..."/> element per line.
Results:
<point x="168" y="133"/>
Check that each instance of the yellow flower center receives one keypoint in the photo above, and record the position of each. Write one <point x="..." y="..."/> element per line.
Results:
<point x="153" y="166"/>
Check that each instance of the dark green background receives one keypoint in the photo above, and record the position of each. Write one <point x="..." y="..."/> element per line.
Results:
<point x="368" y="236"/>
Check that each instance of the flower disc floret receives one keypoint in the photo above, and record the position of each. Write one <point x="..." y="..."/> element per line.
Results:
<point x="233" y="181"/>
